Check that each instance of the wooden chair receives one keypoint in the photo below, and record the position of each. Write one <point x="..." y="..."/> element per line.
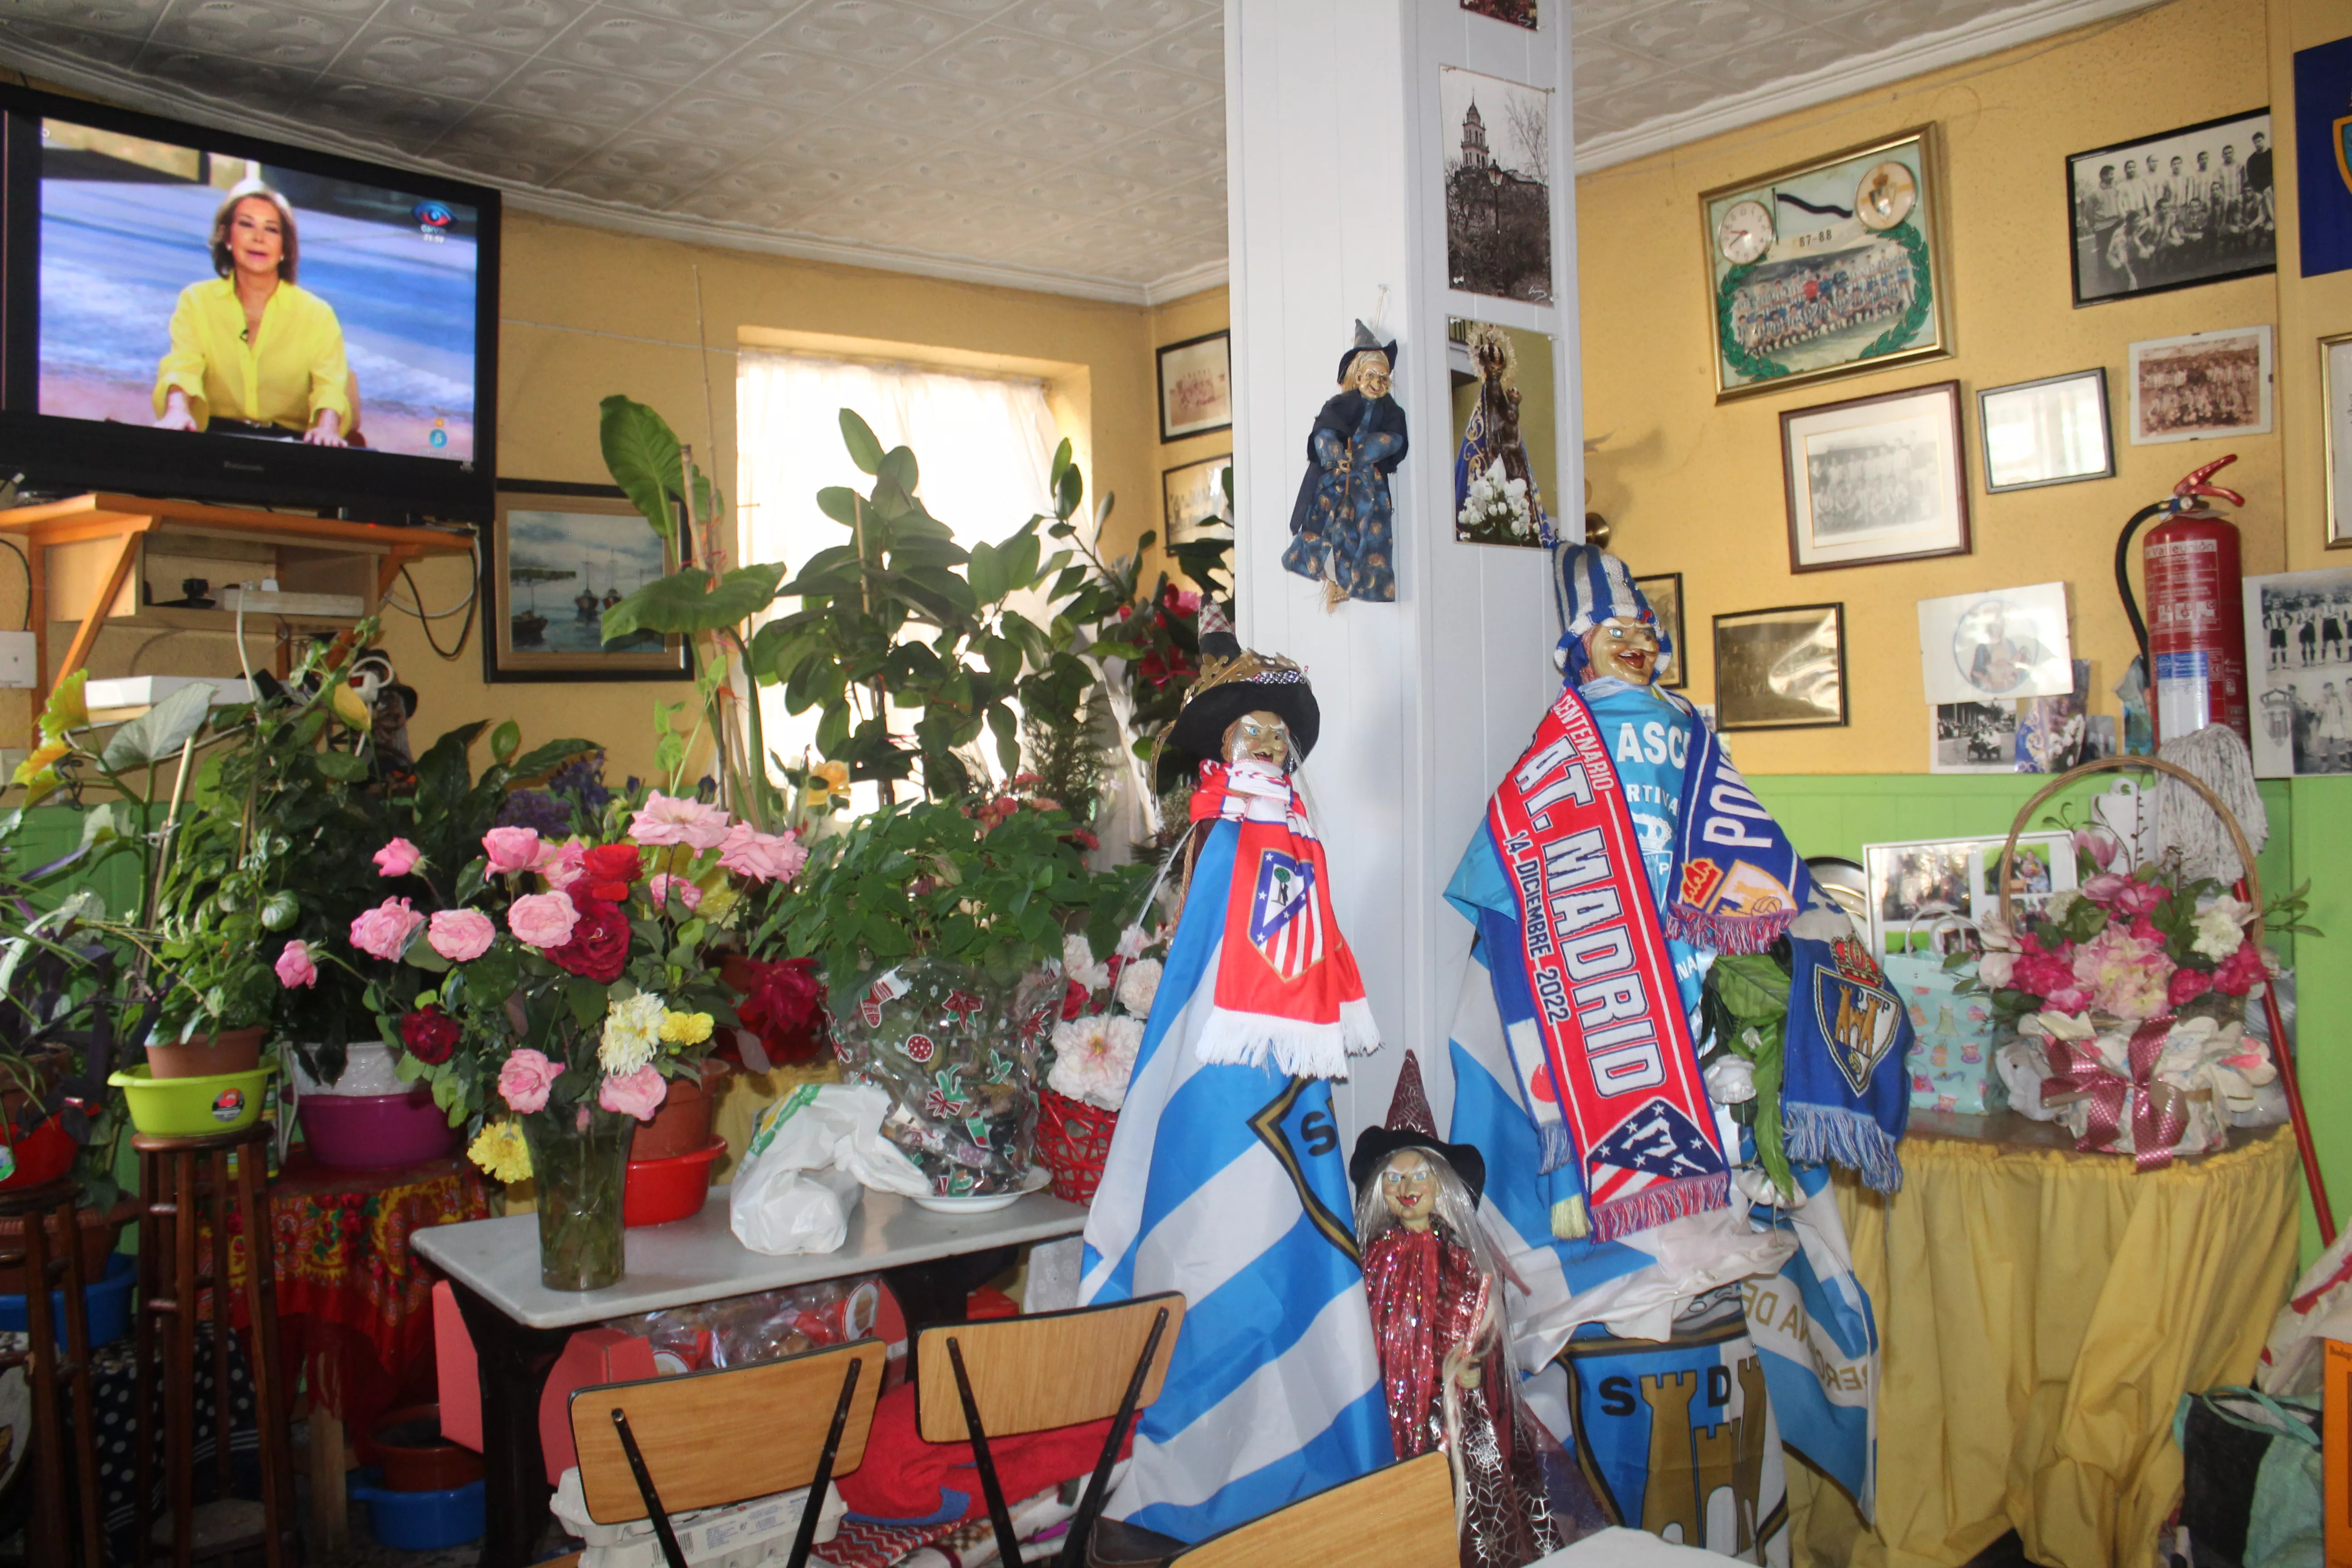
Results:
<point x="1400" y="1517"/>
<point x="1005" y="1377"/>
<point x="669" y="1445"/>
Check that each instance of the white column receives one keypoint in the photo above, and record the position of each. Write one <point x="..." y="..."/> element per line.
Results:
<point x="1335" y="152"/>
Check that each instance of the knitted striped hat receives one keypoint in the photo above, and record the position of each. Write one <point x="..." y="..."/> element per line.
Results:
<point x="1591" y="585"/>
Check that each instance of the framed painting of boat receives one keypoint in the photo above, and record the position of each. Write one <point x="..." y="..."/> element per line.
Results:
<point x="559" y="556"/>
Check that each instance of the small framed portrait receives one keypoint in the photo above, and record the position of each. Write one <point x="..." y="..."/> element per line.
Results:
<point x="1780" y="669"/>
<point x="1875" y="479"/>
<point x="1996" y="645"/>
<point x="2201" y="386"/>
<point x="1504" y="443"/>
<point x="2336" y="390"/>
<point x="1664" y="592"/>
<point x="1193" y="500"/>
<point x="2299" y="671"/>
<point x="1518" y="13"/>
<point x="2048" y="432"/>
<point x="1916" y="887"/>
<point x="560" y="555"/>
<point x="1972" y="737"/>
<point x="2173" y="209"/>
<point x="1827" y="268"/>
<point x="1196" y="386"/>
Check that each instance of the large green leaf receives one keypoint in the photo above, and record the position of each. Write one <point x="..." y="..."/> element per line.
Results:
<point x="641" y="453"/>
<point x="159" y="731"/>
<point x="863" y="449"/>
<point x="689" y="603"/>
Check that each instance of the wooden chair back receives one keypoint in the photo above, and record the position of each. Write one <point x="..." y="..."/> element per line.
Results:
<point x="721" y="1436"/>
<point x="1044" y="1370"/>
<point x="1400" y="1517"/>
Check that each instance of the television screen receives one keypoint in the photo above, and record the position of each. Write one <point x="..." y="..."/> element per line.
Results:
<point x="214" y="304"/>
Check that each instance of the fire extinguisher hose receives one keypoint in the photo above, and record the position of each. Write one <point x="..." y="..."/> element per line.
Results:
<point x="2123" y="580"/>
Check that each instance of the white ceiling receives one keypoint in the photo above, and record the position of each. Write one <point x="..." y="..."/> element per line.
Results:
<point x="1071" y="145"/>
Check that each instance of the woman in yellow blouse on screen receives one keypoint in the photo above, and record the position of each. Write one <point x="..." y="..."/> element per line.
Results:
<point x="251" y="353"/>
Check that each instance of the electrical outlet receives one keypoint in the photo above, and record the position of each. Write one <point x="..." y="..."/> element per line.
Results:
<point x="17" y="654"/>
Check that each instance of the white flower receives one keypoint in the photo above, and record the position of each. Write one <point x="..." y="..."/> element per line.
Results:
<point x="1138" y="983"/>
<point x="1130" y="943"/>
<point x="2221" y="927"/>
<point x="2058" y="1026"/>
<point x="1093" y="1057"/>
<point x="1078" y="963"/>
<point x="1758" y="1189"/>
<point x="2060" y="902"/>
<point x="632" y="1033"/>
<point x="1730" y="1078"/>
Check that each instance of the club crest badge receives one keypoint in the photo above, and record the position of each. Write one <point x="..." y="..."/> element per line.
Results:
<point x="1284" y="925"/>
<point x="1860" y="1016"/>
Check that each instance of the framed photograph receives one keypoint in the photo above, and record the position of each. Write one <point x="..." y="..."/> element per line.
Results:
<point x="1498" y="170"/>
<point x="2199" y="386"/>
<point x="2002" y="643"/>
<point x="1192" y="496"/>
<point x="1664" y="592"/>
<point x="1504" y="452"/>
<point x="1915" y="886"/>
<point x="559" y="555"/>
<point x="2048" y="432"/>
<point x="1780" y="669"/>
<point x="2299" y="667"/>
<point x="2336" y="390"/>
<point x="1972" y="737"/>
<point x="1827" y="268"/>
<point x="1196" y="386"/>
<point x="1518" y="13"/>
<point x="2174" y="209"/>
<point x="1875" y="479"/>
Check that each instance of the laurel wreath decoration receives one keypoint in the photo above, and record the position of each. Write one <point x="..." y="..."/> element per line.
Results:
<point x="1763" y="367"/>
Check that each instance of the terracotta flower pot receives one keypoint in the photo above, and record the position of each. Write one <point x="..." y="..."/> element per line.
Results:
<point x="99" y="1231"/>
<point x="231" y="1050"/>
<point x="682" y="1125"/>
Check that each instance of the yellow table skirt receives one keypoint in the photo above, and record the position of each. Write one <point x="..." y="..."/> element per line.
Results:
<point x="2041" y="1314"/>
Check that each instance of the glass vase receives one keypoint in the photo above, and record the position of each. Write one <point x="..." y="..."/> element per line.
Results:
<point x="579" y="1160"/>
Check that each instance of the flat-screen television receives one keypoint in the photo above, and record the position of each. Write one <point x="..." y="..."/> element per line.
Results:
<point x="197" y="314"/>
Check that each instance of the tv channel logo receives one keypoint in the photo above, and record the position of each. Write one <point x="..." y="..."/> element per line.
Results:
<point x="433" y="214"/>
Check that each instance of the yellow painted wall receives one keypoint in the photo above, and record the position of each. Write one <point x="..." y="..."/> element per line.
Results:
<point x="1697" y="488"/>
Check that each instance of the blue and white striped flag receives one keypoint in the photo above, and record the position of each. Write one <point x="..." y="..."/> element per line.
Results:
<point x="1813" y="1325"/>
<point x="1229" y="1184"/>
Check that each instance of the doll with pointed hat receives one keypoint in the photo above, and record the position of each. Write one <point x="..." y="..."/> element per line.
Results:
<point x="1343" y="525"/>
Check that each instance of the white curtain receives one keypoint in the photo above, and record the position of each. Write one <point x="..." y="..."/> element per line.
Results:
<point x="984" y="446"/>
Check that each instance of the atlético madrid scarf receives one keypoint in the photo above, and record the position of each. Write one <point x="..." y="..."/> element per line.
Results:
<point x="1286" y="982"/>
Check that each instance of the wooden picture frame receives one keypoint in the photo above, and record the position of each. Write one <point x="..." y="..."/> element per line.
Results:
<point x="1196" y="386"/>
<point x="2335" y="392"/>
<point x="1664" y="591"/>
<point x="580" y="531"/>
<point x="2054" y="431"/>
<point x="1826" y="268"/>
<point x="1871" y="480"/>
<point x="2202" y="386"/>
<point x="2127" y="242"/>
<point x="1192" y="500"/>
<point x="1781" y="668"/>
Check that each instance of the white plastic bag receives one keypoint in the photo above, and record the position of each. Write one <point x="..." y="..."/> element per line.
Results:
<point x="2319" y="1309"/>
<point x="813" y="1153"/>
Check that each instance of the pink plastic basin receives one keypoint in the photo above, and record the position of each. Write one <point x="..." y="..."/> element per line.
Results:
<point x="374" y="1132"/>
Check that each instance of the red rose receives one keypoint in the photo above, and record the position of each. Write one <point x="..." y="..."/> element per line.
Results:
<point x="1073" y="1000"/>
<point x="610" y="869"/>
<point x="600" y="940"/>
<point x="429" y="1035"/>
<point x="785" y="1007"/>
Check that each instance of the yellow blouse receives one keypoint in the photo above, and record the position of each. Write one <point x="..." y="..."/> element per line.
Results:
<point x="292" y="369"/>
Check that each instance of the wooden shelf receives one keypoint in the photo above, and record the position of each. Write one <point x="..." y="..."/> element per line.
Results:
<point x="176" y="618"/>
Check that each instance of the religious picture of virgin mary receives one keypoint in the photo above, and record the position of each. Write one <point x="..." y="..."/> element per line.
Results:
<point x="1504" y="457"/>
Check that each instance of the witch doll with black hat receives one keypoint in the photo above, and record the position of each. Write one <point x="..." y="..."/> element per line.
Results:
<point x="1441" y="1313"/>
<point x="1227" y="1179"/>
<point x="1343" y="524"/>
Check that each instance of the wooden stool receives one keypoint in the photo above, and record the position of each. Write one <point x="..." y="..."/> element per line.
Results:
<point x="176" y="1178"/>
<point x="49" y="1538"/>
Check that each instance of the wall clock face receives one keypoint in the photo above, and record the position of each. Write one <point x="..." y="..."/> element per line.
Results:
<point x="1745" y="233"/>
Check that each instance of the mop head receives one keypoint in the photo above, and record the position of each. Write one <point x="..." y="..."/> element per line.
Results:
<point x="2186" y="823"/>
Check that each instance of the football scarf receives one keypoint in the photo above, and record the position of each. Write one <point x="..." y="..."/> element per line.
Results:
<point x="1618" y="1066"/>
<point x="1845" y="1096"/>
<point x="1287" y="982"/>
<point x="1738" y="881"/>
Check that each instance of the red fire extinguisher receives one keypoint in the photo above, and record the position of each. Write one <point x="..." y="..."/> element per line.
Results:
<point x="2192" y="646"/>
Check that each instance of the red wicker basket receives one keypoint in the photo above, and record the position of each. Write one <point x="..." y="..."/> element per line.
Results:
<point x="1074" y="1139"/>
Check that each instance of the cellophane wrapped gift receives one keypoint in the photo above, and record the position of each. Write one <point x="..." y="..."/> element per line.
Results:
<point x="1951" y="1060"/>
<point x="2158" y="1091"/>
<point x="957" y="1052"/>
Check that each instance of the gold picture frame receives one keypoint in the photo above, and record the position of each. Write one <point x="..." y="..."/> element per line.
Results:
<point x="551" y="546"/>
<point x="2335" y="430"/>
<point x="1828" y="268"/>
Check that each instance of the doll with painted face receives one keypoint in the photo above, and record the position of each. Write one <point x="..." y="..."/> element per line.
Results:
<point x="1343" y="524"/>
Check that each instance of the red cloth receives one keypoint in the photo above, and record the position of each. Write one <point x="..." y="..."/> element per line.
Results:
<point x="1425" y="1293"/>
<point x="902" y="1476"/>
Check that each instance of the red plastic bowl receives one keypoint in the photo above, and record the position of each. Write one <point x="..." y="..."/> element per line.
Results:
<point x="660" y="1190"/>
<point x="43" y="1154"/>
<point x="376" y="1132"/>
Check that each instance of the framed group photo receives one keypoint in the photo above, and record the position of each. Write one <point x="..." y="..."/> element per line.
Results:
<point x="1664" y="592"/>
<point x="2202" y="386"/>
<point x="1827" y="268"/>
<point x="1196" y="386"/>
<point x="559" y="556"/>
<point x="2299" y="671"/>
<point x="1875" y="479"/>
<point x="2174" y="209"/>
<point x="2054" y="431"/>
<point x="1781" y="668"/>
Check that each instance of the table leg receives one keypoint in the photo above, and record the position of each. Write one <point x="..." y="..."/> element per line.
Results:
<point x="513" y="1363"/>
<point x="330" y="1503"/>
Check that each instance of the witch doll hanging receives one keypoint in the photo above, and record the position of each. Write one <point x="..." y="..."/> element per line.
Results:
<point x="1343" y="525"/>
<point x="1441" y="1314"/>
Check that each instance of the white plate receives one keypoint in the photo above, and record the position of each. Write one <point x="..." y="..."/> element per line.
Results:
<point x="988" y="1203"/>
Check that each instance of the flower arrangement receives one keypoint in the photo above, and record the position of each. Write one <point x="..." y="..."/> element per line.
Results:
<point x="1498" y="506"/>
<point x="1104" y="1008"/>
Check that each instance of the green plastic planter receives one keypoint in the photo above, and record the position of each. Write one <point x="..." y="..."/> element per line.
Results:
<point x="192" y="1107"/>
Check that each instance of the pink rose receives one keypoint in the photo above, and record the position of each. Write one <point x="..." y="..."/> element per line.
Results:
<point x="561" y="863"/>
<point x="461" y="935"/>
<point x="674" y="819"/>
<point x="666" y="888"/>
<point x="2068" y="999"/>
<point x="2105" y="888"/>
<point x="763" y="857"/>
<point x="637" y="1094"/>
<point x="2139" y="898"/>
<point x="2099" y="846"/>
<point x="542" y="920"/>
<point x="525" y="1079"/>
<point x="384" y="930"/>
<point x="397" y="858"/>
<point x="511" y="849"/>
<point x="2239" y="973"/>
<point x="2186" y="985"/>
<point x="294" y="965"/>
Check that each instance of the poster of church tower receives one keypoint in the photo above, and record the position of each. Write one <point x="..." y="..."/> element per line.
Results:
<point x="1498" y="190"/>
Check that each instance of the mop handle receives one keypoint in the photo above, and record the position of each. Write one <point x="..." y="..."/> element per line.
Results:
<point x="2282" y="1058"/>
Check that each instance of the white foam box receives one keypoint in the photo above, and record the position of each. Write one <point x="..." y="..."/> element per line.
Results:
<point x="145" y="691"/>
